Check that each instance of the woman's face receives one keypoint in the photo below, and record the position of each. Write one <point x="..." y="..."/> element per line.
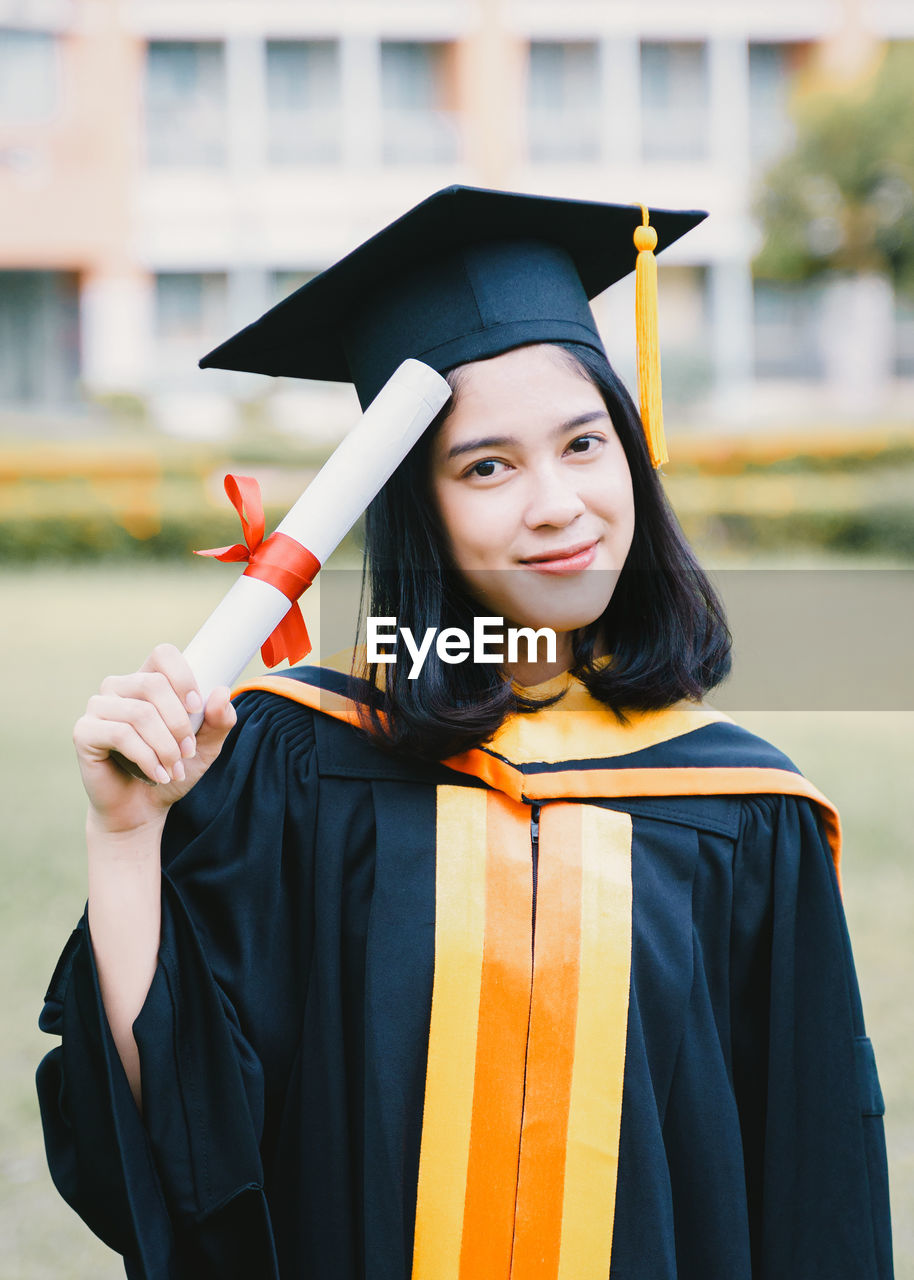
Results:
<point x="534" y="490"/>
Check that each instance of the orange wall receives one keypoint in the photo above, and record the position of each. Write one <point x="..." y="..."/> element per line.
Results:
<point x="489" y="75"/>
<point x="69" y="204"/>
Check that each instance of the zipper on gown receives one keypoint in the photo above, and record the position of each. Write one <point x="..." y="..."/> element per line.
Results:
<point x="535" y="853"/>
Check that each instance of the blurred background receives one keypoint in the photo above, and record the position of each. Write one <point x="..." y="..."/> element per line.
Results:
<point x="171" y="168"/>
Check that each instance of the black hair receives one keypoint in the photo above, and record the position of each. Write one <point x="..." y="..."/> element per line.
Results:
<point x="664" y="625"/>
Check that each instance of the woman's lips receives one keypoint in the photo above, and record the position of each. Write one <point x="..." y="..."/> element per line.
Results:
<point x="570" y="561"/>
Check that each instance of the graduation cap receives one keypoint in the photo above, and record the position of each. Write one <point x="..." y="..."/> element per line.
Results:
<point x="465" y="275"/>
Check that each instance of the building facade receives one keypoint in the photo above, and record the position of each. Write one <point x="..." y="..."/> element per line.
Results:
<point x="170" y="168"/>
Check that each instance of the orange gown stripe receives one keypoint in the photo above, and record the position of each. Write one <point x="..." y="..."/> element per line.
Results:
<point x="568" y="784"/>
<point x="309" y="695"/>
<point x="598" y="784"/>
<point x="524" y="1083"/>
<point x="551" y="1054"/>
<point x="501" y="1044"/>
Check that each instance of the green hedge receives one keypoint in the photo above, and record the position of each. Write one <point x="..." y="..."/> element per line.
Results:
<point x="79" y="513"/>
<point x="887" y="531"/>
<point x="28" y="540"/>
<point x="877" y="531"/>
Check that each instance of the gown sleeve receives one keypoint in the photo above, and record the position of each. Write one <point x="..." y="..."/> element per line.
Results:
<point x="804" y="1070"/>
<point x="179" y="1191"/>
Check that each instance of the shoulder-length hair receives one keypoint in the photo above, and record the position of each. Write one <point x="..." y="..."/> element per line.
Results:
<point x="664" y="626"/>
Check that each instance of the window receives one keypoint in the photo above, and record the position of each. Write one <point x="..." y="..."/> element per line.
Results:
<point x="190" y="305"/>
<point x="282" y="283"/>
<point x="684" y="293"/>
<point x="191" y="316"/>
<point x="904" y="336"/>
<point x="787" y="324"/>
<point x="304" y="102"/>
<point x="418" y="122"/>
<point x="39" y="337"/>
<point x="185" y="103"/>
<point x="674" y="101"/>
<point x="563" y="103"/>
<point x="770" y="128"/>
<point x="29" y="76"/>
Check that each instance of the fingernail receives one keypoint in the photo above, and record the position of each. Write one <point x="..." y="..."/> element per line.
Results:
<point x="178" y="771"/>
<point x="189" y="747"/>
<point x="162" y="774"/>
<point x="193" y="701"/>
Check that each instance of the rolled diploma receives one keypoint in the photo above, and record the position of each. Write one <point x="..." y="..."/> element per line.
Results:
<point x="320" y="519"/>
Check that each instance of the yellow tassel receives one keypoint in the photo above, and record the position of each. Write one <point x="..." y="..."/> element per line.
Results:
<point x="648" y="342"/>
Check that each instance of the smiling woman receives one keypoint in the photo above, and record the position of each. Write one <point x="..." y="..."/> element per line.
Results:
<point x="512" y="971"/>
<point x="532" y="497"/>
<point x="547" y="495"/>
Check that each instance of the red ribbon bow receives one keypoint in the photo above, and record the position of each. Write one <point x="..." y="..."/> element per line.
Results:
<point x="280" y="560"/>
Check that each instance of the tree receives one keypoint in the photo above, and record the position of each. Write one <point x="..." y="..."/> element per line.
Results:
<point x="842" y="200"/>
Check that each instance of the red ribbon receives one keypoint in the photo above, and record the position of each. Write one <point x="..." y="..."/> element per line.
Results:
<point x="279" y="560"/>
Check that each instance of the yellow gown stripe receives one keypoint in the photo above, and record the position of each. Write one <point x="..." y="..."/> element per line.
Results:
<point x="460" y="921"/>
<point x="578" y="783"/>
<point x="577" y="728"/>
<point x="595" y="1110"/>
<point x="580" y="728"/>
<point x="526" y="1058"/>
<point x="621" y="784"/>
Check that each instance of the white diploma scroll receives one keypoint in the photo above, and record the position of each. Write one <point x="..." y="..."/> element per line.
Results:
<point x="320" y="519"/>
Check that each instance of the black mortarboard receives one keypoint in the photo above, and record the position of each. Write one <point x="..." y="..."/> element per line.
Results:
<point x="466" y="274"/>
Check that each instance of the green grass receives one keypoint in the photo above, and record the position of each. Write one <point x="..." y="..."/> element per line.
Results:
<point x="62" y="629"/>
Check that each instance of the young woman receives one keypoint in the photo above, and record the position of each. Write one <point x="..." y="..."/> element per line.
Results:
<point x="535" y="968"/>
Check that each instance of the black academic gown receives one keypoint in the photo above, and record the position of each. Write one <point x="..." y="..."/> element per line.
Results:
<point x="310" y="1111"/>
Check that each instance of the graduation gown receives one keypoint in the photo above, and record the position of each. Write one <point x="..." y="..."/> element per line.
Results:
<point x="579" y="1003"/>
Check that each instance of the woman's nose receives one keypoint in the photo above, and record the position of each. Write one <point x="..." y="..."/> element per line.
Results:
<point x="554" y="500"/>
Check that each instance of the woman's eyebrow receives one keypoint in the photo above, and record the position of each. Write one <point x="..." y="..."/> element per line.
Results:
<point x="486" y="442"/>
<point x="502" y="442"/>
<point x="581" y="421"/>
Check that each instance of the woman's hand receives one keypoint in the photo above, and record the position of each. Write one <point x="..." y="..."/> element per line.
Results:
<point x="145" y="717"/>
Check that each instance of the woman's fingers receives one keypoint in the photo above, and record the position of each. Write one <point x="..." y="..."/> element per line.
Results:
<point x="166" y="682"/>
<point x="150" y="690"/>
<point x="144" y="720"/>
<point x="219" y="710"/>
<point x="160" y="722"/>
<point x="95" y="739"/>
<point x="144" y="717"/>
<point x="219" y="718"/>
<point x="168" y="660"/>
<point x="154" y="688"/>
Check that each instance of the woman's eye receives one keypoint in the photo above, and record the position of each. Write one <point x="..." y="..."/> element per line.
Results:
<point x="485" y="467"/>
<point x="584" y="444"/>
